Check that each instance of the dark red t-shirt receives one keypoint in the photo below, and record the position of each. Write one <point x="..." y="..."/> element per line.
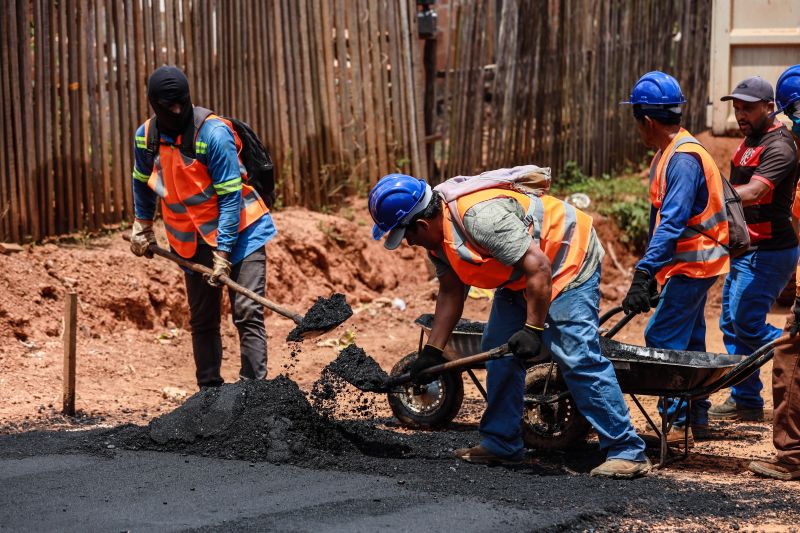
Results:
<point x="771" y="158"/>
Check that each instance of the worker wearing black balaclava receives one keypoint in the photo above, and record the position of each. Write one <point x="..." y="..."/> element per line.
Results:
<point x="166" y="87"/>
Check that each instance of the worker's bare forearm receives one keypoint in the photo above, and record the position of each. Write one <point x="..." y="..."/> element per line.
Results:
<point x="449" y="307"/>
<point x="539" y="282"/>
<point x="752" y="192"/>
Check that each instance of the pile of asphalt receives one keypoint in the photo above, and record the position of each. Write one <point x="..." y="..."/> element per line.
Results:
<point x="325" y="314"/>
<point x="269" y="420"/>
<point x="265" y="420"/>
<point x="357" y="368"/>
<point x="463" y="326"/>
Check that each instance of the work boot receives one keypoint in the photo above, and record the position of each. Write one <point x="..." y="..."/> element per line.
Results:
<point x="481" y="456"/>
<point x="728" y="410"/>
<point x="674" y="437"/>
<point x="775" y="469"/>
<point x="700" y="432"/>
<point x="622" y="469"/>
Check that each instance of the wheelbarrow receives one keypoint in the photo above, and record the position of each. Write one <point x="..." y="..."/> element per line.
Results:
<point x="551" y="421"/>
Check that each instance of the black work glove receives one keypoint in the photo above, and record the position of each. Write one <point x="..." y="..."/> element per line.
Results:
<point x="430" y="356"/>
<point x="526" y="344"/>
<point x="796" y="310"/>
<point x="638" y="298"/>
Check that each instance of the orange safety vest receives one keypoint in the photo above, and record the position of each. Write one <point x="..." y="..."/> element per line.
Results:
<point x="188" y="199"/>
<point x="700" y="251"/>
<point x="560" y="230"/>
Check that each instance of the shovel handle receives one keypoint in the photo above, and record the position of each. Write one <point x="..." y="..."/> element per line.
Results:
<point x="225" y="280"/>
<point x="458" y="364"/>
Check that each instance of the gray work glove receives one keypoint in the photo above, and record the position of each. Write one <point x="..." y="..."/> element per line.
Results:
<point x="221" y="267"/>
<point x="142" y="237"/>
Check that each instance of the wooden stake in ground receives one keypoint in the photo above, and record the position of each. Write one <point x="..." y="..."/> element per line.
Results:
<point x="70" y="349"/>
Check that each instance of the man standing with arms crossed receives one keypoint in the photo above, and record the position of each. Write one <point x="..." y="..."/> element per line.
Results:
<point x="764" y="173"/>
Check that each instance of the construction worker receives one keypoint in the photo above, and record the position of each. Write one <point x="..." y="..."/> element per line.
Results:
<point x="544" y="258"/>
<point x="212" y="217"/>
<point x="786" y="361"/>
<point x="764" y="173"/>
<point x="688" y="233"/>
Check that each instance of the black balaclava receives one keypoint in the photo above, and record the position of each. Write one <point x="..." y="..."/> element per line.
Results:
<point x="167" y="86"/>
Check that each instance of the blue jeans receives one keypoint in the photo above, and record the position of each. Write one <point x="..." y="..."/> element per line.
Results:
<point x="571" y="335"/>
<point x="754" y="283"/>
<point x="679" y="323"/>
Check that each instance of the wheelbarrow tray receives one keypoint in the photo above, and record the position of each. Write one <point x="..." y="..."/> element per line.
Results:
<point x="464" y="341"/>
<point x="663" y="372"/>
<point x="640" y="370"/>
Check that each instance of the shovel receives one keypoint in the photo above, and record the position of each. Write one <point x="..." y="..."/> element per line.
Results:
<point x="458" y="364"/>
<point x="235" y="287"/>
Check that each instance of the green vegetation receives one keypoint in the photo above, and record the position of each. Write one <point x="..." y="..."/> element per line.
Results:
<point x="624" y="198"/>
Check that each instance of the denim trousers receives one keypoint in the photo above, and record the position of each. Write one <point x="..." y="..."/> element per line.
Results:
<point x="752" y="286"/>
<point x="572" y="337"/>
<point x="679" y="323"/>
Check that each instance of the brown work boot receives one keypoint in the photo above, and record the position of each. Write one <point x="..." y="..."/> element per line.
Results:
<point x="481" y="456"/>
<point x="622" y="469"/>
<point x="675" y="438"/>
<point x="728" y="410"/>
<point x="776" y="470"/>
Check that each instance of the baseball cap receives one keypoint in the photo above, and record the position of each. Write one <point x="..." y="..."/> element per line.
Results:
<point x="752" y="89"/>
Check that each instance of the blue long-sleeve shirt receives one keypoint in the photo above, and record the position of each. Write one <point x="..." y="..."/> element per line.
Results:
<point x="686" y="195"/>
<point x="216" y="149"/>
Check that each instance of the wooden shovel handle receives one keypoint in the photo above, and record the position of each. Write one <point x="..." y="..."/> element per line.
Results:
<point x="458" y="364"/>
<point x="225" y="280"/>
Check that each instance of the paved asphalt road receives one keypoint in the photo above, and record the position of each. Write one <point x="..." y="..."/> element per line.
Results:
<point x="150" y="491"/>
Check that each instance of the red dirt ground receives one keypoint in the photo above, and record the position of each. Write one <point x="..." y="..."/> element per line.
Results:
<point x="134" y="355"/>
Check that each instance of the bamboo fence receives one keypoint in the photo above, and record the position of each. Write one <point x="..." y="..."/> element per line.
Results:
<point x="334" y="88"/>
<point x="329" y="85"/>
<point x="547" y="91"/>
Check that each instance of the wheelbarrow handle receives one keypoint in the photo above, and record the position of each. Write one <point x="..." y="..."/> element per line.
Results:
<point x="624" y="320"/>
<point x="457" y="364"/>
<point x="753" y="361"/>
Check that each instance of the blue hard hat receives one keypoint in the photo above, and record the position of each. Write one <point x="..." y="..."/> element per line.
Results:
<point x="787" y="91"/>
<point x="393" y="201"/>
<point x="656" y="88"/>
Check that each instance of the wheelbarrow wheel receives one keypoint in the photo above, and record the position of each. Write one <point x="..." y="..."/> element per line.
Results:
<point x="550" y="425"/>
<point x="428" y="406"/>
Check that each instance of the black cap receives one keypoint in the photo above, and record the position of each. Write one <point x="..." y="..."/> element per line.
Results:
<point x="752" y="89"/>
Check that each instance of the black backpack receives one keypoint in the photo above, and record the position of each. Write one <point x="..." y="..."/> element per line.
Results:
<point x="254" y="155"/>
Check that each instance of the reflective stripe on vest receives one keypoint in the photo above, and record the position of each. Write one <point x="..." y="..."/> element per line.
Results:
<point x="560" y="230"/>
<point x="189" y="198"/>
<point x="699" y="251"/>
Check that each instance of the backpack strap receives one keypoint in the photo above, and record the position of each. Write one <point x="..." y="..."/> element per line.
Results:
<point x="153" y="138"/>
<point x="189" y="136"/>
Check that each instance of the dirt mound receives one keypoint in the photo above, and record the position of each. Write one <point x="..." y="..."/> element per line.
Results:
<point x="112" y="286"/>
<point x="254" y="420"/>
<point x="314" y="254"/>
